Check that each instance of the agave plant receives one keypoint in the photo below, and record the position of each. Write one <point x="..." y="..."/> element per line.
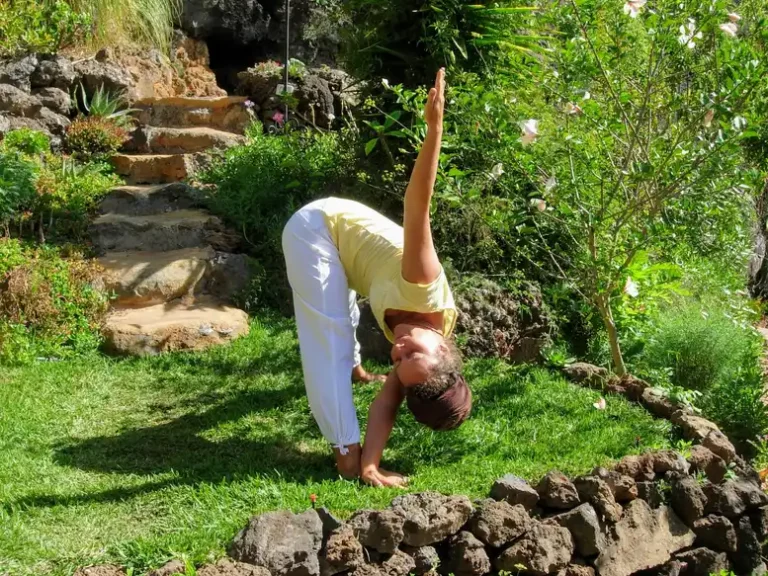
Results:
<point x="105" y="104"/>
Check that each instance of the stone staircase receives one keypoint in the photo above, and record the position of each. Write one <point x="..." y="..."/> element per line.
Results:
<point x="169" y="261"/>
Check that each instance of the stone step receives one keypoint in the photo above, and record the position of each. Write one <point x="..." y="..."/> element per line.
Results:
<point x="228" y="114"/>
<point x="154" y="168"/>
<point x="174" y="326"/>
<point x="150" y="199"/>
<point x="163" y="140"/>
<point x="161" y="232"/>
<point x="148" y="278"/>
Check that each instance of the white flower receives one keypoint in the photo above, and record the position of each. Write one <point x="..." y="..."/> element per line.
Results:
<point x="550" y="184"/>
<point x="733" y="17"/>
<point x="539" y="204"/>
<point x="385" y="82"/>
<point x="730" y="28"/>
<point x="600" y="404"/>
<point x="738" y="122"/>
<point x="631" y="288"/>
<point x="587" y="95"/>
<point x="708" y="117"/>
<point x="573" y="109"/>
<point x="331" y="117"/>
<point x="688" y="34"/>
<point x="530" y="131"/>
<point x="633" y="7"/>
<point x="497" y="171"/>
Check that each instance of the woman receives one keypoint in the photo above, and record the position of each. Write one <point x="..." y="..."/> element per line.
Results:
<point x="335" y="249"/>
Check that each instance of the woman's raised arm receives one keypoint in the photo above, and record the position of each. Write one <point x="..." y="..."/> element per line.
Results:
<point x="420" y="262"/>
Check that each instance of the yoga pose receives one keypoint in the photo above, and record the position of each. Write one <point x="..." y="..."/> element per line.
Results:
<point x="335" y="249"/>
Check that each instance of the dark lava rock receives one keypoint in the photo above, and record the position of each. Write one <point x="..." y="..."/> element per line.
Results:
<point x="585" y="528"/>
<point x="499" y="523"/>
<point x="686" y="497"/>
<point x="748" y="557"/>
<point x="226" y="567"/>
<point x="719" y="444"/>
<point x="431" y="517"/>
<point x="398" y="564"/>
<point x="54" y="72"/>
<point x="496" y="323"/>
<point x="342" y="552"/>
<point x="557" y="491"/>
<point x="624" y="487"/>
<point x="18" y="72"/>
<point x="286" y="544"/>
<point x="703" y="562"/>
<point x="381" y="530"/>
<point x="704" y="460"/>
<point x="466" y="556"/>
<point x="669" y="461"/>
<point x="694" y="427"/>
<point x="595" y="491"/>
<point x="657" y="404"/>
<point x="716" y="532"/>
<point x="641" y="467"/>
<point x="425" y="558"/>
<point x="515" y="490"/>
<point x="544" y="549"/>
<point x="587" y="375"/>
<point x="733" y="498"/>
<point x="650" y="492"/>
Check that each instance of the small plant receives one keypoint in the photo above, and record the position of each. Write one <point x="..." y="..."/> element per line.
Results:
<point x="106" y="105"/>
<point x="37" y="26"/>
<point x="94" y="138"/>
<point x="26" y="141"/>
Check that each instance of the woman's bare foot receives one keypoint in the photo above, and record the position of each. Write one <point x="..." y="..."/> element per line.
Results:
<point x="361" y="376"/>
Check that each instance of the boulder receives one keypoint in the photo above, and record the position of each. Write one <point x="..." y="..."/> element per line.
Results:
<point x="638" y="467"/>
<point x="228" y="567"/>
<point x="733" y="498"/>
<point x="499" y="523"/>
<point x="17" y="102"/>
<point x="515" y="490"/>
<point x="284" y="543"/>
<point x="624" y="488"/>
<point x="748" y="558"/>
<point x="54" y="72"/>
<point x="431" y="517"/>
<point x="544" y="549"/>
<point x="315" y="101"/>
<point x="577" y="570"/>
<point x="759" y="521"/>
<point x="557" y="491"/>
<point x="585" y="528"/>
<point x="686" y="498"/>
<point x="228" y="275"/>
<point x="669" y="461"/>
<point x="496" y="323"/>
<point x="628" y="386"/>
<point x="425" y="558"/>
<point x="718" y="443"/>
<point x="643" y="538"/>
<point x="329" y="521"/>
<point x="54" y="123"/>
<point x="650" y="492"/>
<point x="694" y="427"/>
<point x="657" y="404"/>
<point x="711" y="465"/>
<point x="587" y="375"/>
<point x="342" y="552"/>
<point x="93" y="74"/>
<point x="398" y="564"/>
<point x="593" y="490"/>
<point x="55" y="99"/>
<point x="466" y="556"/>
<point x="716" y="532"/>
<point x="703" y="562"/>
<point x="381" y="530"/>
<point x="18" y="72"/>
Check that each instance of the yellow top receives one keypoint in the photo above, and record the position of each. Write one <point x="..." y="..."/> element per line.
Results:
<point x="371" y="250"/>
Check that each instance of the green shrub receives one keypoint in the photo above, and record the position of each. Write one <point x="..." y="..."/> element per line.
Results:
<point x="49" y="306"/>
<point x="257" y="186"/>
<point x="700" y="346"/>
<point x="94" y="137"/>
<point x="40" y="26"/>
<point x="26" y="141"/>
<point x="17" y="185"/>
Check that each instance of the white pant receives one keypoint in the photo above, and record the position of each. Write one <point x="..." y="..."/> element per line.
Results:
<point x="326" y="318"/>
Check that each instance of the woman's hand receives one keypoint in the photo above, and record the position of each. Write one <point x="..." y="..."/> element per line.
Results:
<point x="433" y="113"/>
<point x="381" y="478"/>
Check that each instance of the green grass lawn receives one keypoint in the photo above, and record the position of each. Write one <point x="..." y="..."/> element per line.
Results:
<point x="139" y="461"/>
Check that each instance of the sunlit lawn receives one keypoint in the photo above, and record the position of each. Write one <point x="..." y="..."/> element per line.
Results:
<point x="138" y="461"/>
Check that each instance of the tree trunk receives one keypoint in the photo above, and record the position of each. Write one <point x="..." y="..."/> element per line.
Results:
<point x="604" y="306"/>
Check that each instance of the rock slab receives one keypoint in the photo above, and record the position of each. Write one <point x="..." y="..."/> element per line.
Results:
<point x="430" y="517"/>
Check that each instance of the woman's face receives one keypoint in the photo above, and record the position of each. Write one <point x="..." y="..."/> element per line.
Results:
<point x="415" y="354"/>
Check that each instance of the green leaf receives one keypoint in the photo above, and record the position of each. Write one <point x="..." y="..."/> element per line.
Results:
<point x="370" y="145"/>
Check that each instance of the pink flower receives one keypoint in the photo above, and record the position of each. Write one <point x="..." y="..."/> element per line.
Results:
<point x="730" y="28"/>
<point x="278" y="118"/>
<point x="530" y="131"/>
<point x="633" y="7"/>
<point x="539" y="204"/>
<point x="733" y="17"/>
<point x="600" y="404"/>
